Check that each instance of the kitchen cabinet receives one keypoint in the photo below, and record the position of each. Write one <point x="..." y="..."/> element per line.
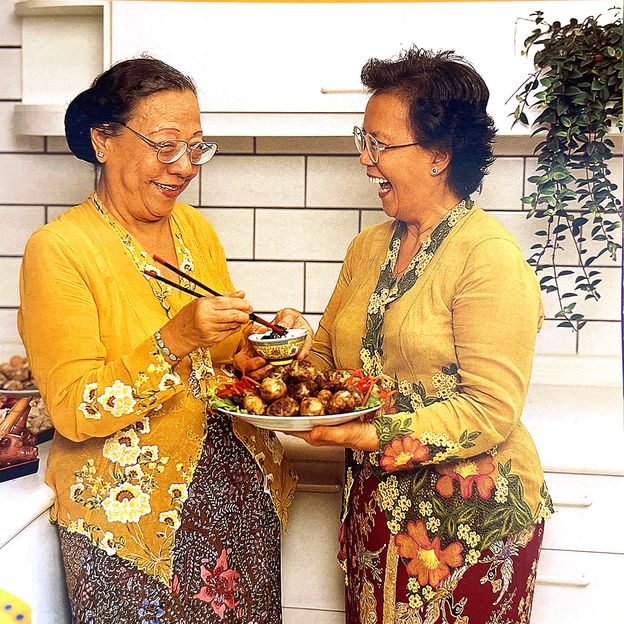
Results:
<point x="290" y="69"/>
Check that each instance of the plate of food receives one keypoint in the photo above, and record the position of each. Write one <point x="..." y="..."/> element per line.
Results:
<point x="298" y="397"/>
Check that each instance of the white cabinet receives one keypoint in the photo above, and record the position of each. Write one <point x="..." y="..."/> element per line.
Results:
<point x="274" y="68"/>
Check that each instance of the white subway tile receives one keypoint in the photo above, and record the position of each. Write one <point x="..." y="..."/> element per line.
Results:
<point x="372" y="217"/>
<point x="55" y="211"/>
<point x="253" y="181"/>
<point x="11" y="74"/>
<point x="321" y="279"/>
<point x="10" y="25"/>
<point x="58" y="144"/>
<point x="9" y="278"/>
<point x="44" y="179"/>
<point x="306" y="145"/>
<point x="11" y="142"/>
<point x="191" y="194"/>
<point x="607" y="308"/>
<point x="304" y="234"/>
<point x="552" y="339"/>
<point x="18" y="223"/>
<point x="524" y="230"/>
<point x="234" y="145"/>
<point x="8" y="331"/>
<point x="235" y="229"/>
<point x="601" y="338"/>
<point x="502" y="187"/>
<point x="270" y="286"/>
<point x="339" y="182"/>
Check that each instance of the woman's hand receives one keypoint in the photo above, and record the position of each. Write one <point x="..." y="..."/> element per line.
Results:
<point x="355" y="435"/>
<point x="247" y="361"/>
<point x="206" y="322"/>
<point x="291" y="319"/>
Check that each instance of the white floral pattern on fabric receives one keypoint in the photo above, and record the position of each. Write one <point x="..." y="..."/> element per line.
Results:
<point x="126" y="503"/>
<point x="122" y="448"/>
<point x="117" y="399"/>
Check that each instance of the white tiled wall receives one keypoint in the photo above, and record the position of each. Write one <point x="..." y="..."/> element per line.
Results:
<point x="285" y="209"/>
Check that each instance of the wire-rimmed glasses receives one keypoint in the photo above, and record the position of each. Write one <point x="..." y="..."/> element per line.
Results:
<point x="168" y="152"/>
<point x="373" y="146"/>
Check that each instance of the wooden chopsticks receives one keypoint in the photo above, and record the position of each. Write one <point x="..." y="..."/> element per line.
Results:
<point x="253" y="316"/>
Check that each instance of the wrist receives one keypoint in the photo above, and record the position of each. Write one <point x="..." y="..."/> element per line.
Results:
<point x="169" y="355"/>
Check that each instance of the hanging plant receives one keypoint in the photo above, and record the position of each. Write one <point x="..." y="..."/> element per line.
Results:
<point x="576" y="90"/>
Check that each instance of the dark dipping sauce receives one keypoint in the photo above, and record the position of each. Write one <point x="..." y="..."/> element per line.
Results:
<point x="274" y="334"/>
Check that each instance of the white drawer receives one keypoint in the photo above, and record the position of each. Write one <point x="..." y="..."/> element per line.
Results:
<point x="312" y="616"/>
<point x="589" y="513"/>
<point x="578" y="587"/>
<point x="311" y="575"/>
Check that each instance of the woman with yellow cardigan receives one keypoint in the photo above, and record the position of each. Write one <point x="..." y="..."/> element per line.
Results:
<point x="445" y="499"/>
<point x="166" y="513"/>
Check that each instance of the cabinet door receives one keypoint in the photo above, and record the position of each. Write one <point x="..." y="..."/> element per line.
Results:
<point x="578" y="587"/>
<point x="307" y="57"/>
<point x="589" y="513"/>
<point x="311" y="575"/>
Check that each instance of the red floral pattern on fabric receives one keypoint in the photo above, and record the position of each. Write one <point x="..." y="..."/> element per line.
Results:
<point x="428" y="561"/>
<point x="469" y="472"/>
<point x="402" y="453"/>
<point x="219" y="585"/>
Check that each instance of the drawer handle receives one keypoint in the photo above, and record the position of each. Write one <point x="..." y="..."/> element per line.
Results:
<point x="331" y="91"/>
<point x="581" y="581"/>
<point x="583" y="501"/>
<point x="319" y="488"/>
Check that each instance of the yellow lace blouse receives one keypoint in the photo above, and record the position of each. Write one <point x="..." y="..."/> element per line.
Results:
<point x="129" y="429"/>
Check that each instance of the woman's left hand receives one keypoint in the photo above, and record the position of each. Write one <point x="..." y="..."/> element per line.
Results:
<point x="291" y="319"/>
<point x="355" y="435"/>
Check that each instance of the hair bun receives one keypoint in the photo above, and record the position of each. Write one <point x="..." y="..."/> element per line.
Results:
<point x="79" y="118"/>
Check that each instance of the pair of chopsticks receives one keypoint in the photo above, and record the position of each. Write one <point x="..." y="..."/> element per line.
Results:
<point x="253" y="316"/>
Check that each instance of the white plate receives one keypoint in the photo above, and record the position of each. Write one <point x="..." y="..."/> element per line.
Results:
<point x="20" y="393"/>
<point x="296" y="423"/>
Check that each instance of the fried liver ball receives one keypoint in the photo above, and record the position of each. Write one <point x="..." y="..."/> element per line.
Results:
<point x="302" y="389"/>
<point x="286" y="406"/>
<point x="253" y="403"/>
<point x="341" y="402"/>
<point x="311" y="406"/>
<point x="272" y="388"/>
<point x="330" y="380"/>
<point x="323" y="396"/>
<point x="302" y="371"/>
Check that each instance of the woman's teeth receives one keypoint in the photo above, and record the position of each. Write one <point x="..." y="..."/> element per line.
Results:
<point x="166" y="187"/>
<point x="377" y="180"/>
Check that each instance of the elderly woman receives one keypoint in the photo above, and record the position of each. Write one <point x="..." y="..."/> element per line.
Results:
<point x="444" y="499"/>
<point x="166" y="513"/>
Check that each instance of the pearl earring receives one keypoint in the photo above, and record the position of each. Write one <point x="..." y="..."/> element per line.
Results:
<point x="100" y="154"/>
<point x="434" y="171"/>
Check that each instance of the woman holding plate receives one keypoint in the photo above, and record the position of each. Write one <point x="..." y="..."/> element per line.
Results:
<point x="166" y="512"/>
<point x="444" y="499"/>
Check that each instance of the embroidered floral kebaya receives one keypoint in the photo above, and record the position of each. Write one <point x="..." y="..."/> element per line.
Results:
<point x="467" y="473"/>
<point x="219" y="585"/>
<point x="428" y="562"/>
<point x="401" y="454"/>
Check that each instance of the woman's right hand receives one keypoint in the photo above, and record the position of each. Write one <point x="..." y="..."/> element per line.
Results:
<point x="206" y="322"/>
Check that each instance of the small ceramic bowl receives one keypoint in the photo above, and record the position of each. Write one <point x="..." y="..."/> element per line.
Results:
<point x="282" y="350"/>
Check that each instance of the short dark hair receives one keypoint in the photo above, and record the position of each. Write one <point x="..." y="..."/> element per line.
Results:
<point x="446" y="100"/>
<point x="114" y="95"/>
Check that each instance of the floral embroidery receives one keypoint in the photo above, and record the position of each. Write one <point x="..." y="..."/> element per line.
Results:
<point x="401" y="454"/>
<point x="126" y="503"/>
<point x="428" y="561"/>
<point x="220" y="585"/>
<point x="150" y="611"/>
<point x="178" y="492"/>
<point x="170" y="518"/>
<point x="117" y="399"/>
<point x="123" y="448"/>
<point x="468" y="472"/>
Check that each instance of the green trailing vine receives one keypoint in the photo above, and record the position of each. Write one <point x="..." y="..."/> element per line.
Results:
<point x="576" y="90"/>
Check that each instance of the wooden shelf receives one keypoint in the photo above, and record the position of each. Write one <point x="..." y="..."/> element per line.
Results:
<point x="29" y="8"/>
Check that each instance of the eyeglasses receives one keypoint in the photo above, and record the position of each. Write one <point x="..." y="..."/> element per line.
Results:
<point x="169" y="151"/>
<point x="368" y="142"/>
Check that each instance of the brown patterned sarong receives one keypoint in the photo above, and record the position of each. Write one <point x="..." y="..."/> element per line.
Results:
<point x="226" y="557"/>
<point x="496" y="589"/>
